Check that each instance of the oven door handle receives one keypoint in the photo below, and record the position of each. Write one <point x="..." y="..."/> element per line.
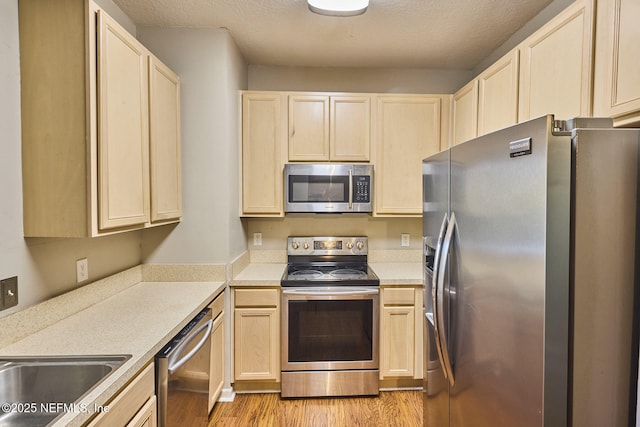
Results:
<point x="329" y="292"/>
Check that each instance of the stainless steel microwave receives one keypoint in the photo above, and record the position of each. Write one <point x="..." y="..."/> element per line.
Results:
<point x="328" y="188"/>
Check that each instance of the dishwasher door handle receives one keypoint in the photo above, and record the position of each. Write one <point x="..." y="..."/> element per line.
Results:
<point x="173" y="366"/>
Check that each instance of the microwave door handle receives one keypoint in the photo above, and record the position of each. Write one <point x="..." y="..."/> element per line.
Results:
<point x="435" y="293"/>
<point x="446" y="246"/>
<point x="350" y="189"/>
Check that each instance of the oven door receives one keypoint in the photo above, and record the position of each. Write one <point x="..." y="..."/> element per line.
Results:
<point x="330" y="328"/>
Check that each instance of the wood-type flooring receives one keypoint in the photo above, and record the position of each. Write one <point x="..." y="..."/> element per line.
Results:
<point x="397" y="408"/>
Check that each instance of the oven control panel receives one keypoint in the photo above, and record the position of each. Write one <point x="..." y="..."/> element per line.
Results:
<point x="327" y="245"/>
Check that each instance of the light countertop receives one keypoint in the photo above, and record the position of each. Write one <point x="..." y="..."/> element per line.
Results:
<point x="398" y="273"/>
<point x="138" y="320"/>
<point x="260" y="274"/>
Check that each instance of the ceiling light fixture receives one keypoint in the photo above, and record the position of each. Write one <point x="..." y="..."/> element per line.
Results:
<point x="338" y="7"/>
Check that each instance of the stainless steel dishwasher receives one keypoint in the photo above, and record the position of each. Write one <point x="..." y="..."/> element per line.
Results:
<point x="183" y="375"/>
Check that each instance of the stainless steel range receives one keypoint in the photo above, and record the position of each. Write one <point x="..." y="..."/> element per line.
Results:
<point x="330" y="318"/>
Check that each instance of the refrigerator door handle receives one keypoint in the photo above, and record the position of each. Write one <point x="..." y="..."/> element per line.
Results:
<point x="434" y="291"/>
<point x="442" y="268"/>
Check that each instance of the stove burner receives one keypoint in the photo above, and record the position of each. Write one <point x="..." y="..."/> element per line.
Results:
<point x="327" y="261"/>
<point x="344" y="273"/>
<point x="306" y="274"/>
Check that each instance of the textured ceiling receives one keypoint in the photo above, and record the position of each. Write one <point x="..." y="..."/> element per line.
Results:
<point x="392" y="33"/>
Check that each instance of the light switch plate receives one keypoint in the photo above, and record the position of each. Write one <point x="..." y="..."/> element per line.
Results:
<point x="9" y="289"/>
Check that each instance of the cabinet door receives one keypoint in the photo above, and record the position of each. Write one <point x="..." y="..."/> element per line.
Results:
<point x="123" y="138"/>
<point x="555" y="66"/>
<point x="617" y="86"/>
<point x="308" y="128"/>
<point x="465" y="113"/>
<point x="132" y="404"/>
<point x="498" y="95"/>
<point x="263" y="127"/>
<point x="216" y="381"/>
<point x="407" y="131"/>
<point x="257" y="344"/>
<point x="398" y="335"/>
<point x="146" y="416"/>
<point x="350" y="128"/>
<point x="164" y="151"/>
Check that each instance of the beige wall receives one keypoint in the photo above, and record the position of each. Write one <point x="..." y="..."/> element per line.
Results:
<point x="212" y="72"/>
<point x="383" y="233"/>
<point x="376" y="80"/>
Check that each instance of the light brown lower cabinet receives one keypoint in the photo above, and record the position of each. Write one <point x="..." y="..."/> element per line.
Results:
<point x="256" y="338"/>
<point x="134" y="406"/>
<point x="401" y="336"/>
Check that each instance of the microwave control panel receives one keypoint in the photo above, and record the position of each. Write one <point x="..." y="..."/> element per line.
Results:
<point x="362" y="189"/>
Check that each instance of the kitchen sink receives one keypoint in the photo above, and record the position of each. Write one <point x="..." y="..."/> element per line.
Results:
<point x="34" y="391"/>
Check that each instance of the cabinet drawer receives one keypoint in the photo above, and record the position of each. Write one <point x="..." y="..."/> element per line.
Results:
<point x="217" y="306"/>
<point x="398" y="296"/>
<point x="256" y="298"/>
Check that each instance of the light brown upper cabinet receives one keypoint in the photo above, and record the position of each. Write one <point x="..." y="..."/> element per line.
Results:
<point x="465" y="113"/>
<point x="556" y="66"/>
<point x="617" y="77"/>
<point x="498" y="94"/>
<point x="408" y="128"/>
<point x="123" y="137"/>
<point x="329" y="127"/>
<point x="86" y="127"/>
<point x="164" y="126"/>
<point x="263" y="153"/>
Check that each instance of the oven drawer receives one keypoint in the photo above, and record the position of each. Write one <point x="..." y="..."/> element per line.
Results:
<point x="256" y="298"/>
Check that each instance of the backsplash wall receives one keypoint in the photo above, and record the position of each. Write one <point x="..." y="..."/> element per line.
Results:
<point x="383" y="233"/>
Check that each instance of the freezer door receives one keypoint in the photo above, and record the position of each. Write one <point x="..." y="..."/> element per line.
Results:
<point x="435" y="180"/>
<point x="499" y="268"/>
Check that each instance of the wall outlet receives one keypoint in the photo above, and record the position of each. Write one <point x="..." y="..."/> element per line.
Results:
<point x="405" y="240"/>
<point x="82" y="270"/>
<point x="257" y="239"/>
<point x="9" y="288"/>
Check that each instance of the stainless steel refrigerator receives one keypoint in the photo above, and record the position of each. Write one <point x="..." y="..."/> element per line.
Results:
<point x="530" y="277"/>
